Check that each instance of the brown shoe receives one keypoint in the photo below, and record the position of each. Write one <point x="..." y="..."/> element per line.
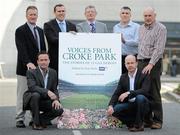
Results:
<point x="36" y="127"/>
<point x="44" y="125"/>
<point x="147" y="124"/>
<point x="156" y="126"/>
<point x="130" y="126"/>
<point x="136" y="129"/>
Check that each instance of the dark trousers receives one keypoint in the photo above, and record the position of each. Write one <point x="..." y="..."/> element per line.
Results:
<point x="155" y="75"/>
<point x="37" y="104"/>
<point x="132" y="113"/>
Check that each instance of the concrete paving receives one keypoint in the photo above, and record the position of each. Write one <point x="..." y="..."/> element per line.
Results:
<point x="7" y="116"/>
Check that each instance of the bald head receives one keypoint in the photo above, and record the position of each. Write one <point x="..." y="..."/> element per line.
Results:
<point x="149" y="9"/>
<point x="130" y="57"/>
<point x="131" y="63"/>
<point x="149" y="15"/>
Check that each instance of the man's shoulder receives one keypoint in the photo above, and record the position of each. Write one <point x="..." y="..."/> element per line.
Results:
<point x="124" y="75"/>
<point x="50" y="22"/>
<point x="135" y="24"/>
<point x="82" y="23"/>
<point x="22" y="27"/>
<point x="100" y="23"/>
<point x="160" y="25"/>
<point x="39" y="28"/>
<point x="70" y="23"/>
<point x="32" y="70"/>
<point x="52" y="70"/>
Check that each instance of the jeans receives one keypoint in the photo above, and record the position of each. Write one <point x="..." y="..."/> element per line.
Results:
<point x="132" y="112"/>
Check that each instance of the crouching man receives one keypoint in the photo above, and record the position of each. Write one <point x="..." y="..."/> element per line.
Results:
<point x="130" y="102"/>
<point x="42" y="97"/>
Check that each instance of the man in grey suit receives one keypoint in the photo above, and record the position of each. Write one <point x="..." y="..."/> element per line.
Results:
<point x="42" y="94"/>
<point x="91" y="25"/>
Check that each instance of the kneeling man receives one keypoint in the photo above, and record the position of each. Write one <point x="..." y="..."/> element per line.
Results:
<point x="130" y="103"/>
<point x="42" y="97"/>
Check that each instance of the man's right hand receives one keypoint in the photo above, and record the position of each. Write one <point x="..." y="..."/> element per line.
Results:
<point x="110" y="111"/>
<point x="122" y="39"/>
<point x="123" y="96"/>
<point x="31" y="66"/>
<point x="51" y="95"/>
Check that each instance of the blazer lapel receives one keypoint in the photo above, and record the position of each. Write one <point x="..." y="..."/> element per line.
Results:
<point x="56" y="26"/>
<point x="136" y="80"/>
<point x="67" y="26"/>
<point x="29" y="32"/>
<point x="41" y="79"/>
<point x="49" y="79"/>
<point x="128" y="87"/>
<point x="87" y="27"/>
<point x="126" y="83"/>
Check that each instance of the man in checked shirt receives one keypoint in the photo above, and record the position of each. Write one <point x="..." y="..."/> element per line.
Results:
<point x="152" y="40"/>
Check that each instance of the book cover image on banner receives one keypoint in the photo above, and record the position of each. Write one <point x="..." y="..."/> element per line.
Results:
<point x="89" y="71"/>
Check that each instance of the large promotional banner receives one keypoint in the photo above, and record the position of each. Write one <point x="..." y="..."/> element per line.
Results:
<point x="89" y="71"/>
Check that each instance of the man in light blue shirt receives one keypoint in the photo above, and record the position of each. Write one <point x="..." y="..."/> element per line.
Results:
<point x="129" y="34"/>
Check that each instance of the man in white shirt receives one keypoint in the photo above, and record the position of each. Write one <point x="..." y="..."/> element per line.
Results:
<point x="130" y="101"/>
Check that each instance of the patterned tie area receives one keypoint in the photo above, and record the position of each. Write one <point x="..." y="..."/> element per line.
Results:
<point x="93" y="29"/>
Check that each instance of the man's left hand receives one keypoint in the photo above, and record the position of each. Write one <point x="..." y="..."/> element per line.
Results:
<point x="147" y="69"/>
<point x="56" y="104"/>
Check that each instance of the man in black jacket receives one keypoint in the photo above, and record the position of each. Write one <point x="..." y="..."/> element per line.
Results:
<point x="130" y="103"/>
<point x="42" y="94"/>
<point x="29" y="41"/>
<point x="52" y="29"/>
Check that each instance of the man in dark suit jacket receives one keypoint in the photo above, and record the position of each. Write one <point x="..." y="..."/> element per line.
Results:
<point x="29" y="41"/>
<point x="130" y="102"/>
<point x="42" y="94"/>
<point x="52" y="29"/>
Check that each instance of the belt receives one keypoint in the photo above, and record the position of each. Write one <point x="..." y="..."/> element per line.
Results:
<point x="144" y="60"/>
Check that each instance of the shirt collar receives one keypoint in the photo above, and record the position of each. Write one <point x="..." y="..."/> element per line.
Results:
<point x="133" y="74"/>
<point x="42" y="72"/>
<point x="129" y="24"/>
<point x="31" y="26"/>
<point x="64" y="22"/>
<point x="91" y="22"/>
<point x="149" y="27"/>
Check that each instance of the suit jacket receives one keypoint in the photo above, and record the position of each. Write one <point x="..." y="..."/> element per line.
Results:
<point x="84" y="27"/>
<point x="27" y="49"/>
<point x="35" y="83"/>
<point x="141" y="86"/>
<point x="51" y="30"/>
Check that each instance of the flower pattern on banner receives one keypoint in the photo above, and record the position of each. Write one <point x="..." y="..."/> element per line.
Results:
<point x="85" y="118"/>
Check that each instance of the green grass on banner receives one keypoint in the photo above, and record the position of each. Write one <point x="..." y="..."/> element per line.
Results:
<point x="89" y="101"/>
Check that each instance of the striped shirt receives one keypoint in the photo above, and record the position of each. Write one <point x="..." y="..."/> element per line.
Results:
<point x="152" y="40"/>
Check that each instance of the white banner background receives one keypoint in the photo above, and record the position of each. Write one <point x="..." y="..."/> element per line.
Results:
<point x="89" y="59"/>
